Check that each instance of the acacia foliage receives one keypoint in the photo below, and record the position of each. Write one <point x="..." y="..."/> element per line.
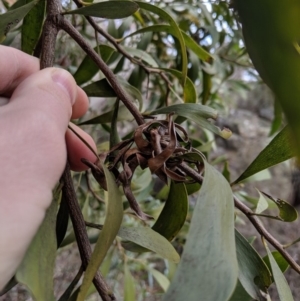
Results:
<point x="173" y="60"/>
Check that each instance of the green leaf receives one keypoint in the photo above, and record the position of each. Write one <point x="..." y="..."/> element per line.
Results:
<point x="37" y="267"/>
<point x="141" y="55"/>
<point x="177" y="32"/>
<point x="197" y="113"/>
<point x="253" y="272"/>
<point x="189" y="42"/>
<point x="262" y="203"/>
<point x="100" y="88"/>
<point x="240" y="294"/>
<point x="277" y="120"/>
<point x="10" y="19"/>
<point x="32" y="27"/>
<point x="108" y="9"/>
<point x="161" y="279"/>
<point x="174" y="213"/>
<point x="113" y="220"/>
<point x="280" y="260"/>
<point x="287" y="212"/>
<point x="147" y="238"/>
<point x="129" y="284"/>
<point x="283" y="288"/>
<point x="226" y="171"/>
<point x="278" y="150"/>
<point x="189" y="90"/>
<point x="88" y="68"/>
<point x="271" y="32"/>
<point x="208" y="266"/>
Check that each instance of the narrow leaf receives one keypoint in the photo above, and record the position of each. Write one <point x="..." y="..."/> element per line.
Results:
<point x="189" y="90"/>
<point x="280" y="260"/>
<point x="287" y="212"/>
<point x="208" y="267"/>
<point x="278" y="150"/>
<point x="197" y="113"/>
<point x="114" y="216"/>
<point x="253" y="272"/>
<point x="10" y="19"/>
<point x="262" y="203"/>
<point x="100" y="88"/>
<point x="189" y="42"/>
<point x="32" y="27"/>
<point x="161" y="279"/>
<point x="240" y="294"/>
<point x="129" y="285"/>
<point x="141" y="55"/>
<point x="177" y="32"/>
<point x="108" y="9"/>
<point x="88" y="68"/>
<point x="283" y="288"/>
<point x="146" y="237"/>
<point x="37" y="267"/>
<point x="174" y="213"/>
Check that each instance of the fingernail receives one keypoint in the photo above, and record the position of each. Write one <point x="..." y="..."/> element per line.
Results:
<point x="63" y="79"/>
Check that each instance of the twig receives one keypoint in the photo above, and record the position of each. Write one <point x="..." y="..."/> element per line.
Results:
<point x="122" y="95"/>
<point x="91" y="190"/>
<point x="111" y="39"/>
<point x="253" y="219"/>
<point x="82" y="239"/>
<point x="50" y="31"/>
<point x="66" y="295"/>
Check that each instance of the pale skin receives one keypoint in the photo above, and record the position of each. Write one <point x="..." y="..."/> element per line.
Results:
<point x="35" y="110"/>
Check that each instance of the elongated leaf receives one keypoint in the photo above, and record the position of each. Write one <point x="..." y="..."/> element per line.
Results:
<point x="278" y="150"/>
<point x="88" y="68"/>
<point x="142" y="55"/>
<point x="271" y="32"/>
<point x="262" y="204"/>
<point x="189" y="42"/>
<point x="114" y="216"/>
<point x="36" y="270"/>
<point x="129" y="285"/>
<point x="240" y="294"/>
<point x="283" y="288"/>
<point x="287" y="212"/>
<point x="197" y="113"/>
<point x="32" y="27"/>
<point x="189" y="90"/>
<point x="253" y="272"/>
<point x="108" y="9"/>
<point x="161" y="279"/>
<point x="10" y="19"/>
<point x="173" y="215"/>
<point x="281" y="262"/>
<point x="177" y="32"/>
<point x="208" y="267"/>
<point x="100" y="88"/>
<point x="151" y="240"/>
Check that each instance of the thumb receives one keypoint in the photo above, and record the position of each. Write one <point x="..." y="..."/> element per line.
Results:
<point x="32" y="158"/>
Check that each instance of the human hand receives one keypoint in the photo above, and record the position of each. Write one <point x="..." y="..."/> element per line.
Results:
<point x="35" y="109"/>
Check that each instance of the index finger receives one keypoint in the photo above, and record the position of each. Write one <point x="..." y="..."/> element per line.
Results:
<point x="15" y="67"/>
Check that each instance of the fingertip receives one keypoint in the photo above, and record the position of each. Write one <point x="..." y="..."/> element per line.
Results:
<point x="81" y="104"/>
<point x="77" y="149"/>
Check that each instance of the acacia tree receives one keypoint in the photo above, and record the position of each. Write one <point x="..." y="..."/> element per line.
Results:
<point x="160" y="70"/>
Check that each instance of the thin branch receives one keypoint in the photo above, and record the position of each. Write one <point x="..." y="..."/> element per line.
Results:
<point x="82" y="239"/>
<point x="253" y="219"/>
<point x="122" y="95"/>
<point x="49" y="36"/>
<point x="120" y="49"/>
<point x="91" y="190"/>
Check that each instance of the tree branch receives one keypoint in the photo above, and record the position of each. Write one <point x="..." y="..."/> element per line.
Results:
<point x="49" y="36"/>
<point x="121" y="94"/>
